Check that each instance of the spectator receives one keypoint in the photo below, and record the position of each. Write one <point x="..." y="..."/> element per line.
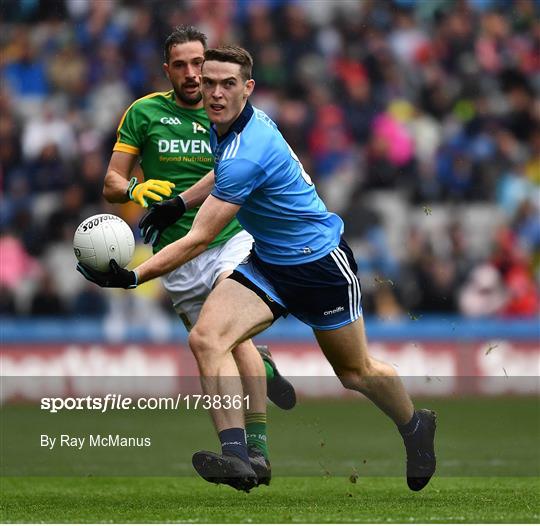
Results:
<point x="25" y="73"/>
<point x="523" y="298"/>
<point x="68" y="71"/>
<point x="17" y="265"/>
<point x="46" y="301"/>
<point x="64" y="221"/>
<point x="483" y="293"/>
<point x="46" y="131"/>
<point x="92" y="170"/>
<point x="89" y="302"/>
<point x="7" y="302"/>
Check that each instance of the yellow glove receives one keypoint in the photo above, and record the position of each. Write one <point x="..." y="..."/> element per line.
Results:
<point x="154" y="189"/>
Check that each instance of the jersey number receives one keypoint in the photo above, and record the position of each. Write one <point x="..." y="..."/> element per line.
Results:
<point x="197" y="127"/>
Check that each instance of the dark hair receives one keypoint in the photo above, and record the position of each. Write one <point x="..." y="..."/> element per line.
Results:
<point x="181" y="35"/>
<point x="234" y="54"/>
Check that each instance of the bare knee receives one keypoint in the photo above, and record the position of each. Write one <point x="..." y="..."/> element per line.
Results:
<point x="358" y="377"/>
<point x="352" y="379"/>
<point x="204" y="344"/>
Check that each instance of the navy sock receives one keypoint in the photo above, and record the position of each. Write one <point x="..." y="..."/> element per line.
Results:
<point x="409" y="429"/>
<point x="233" y="441"/>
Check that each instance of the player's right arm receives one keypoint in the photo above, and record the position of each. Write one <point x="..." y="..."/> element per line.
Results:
<point x="115" y="186"/>
<point x="119" y="188"/>
<point x="211" y="219"/>
<point x="121" y="184"/>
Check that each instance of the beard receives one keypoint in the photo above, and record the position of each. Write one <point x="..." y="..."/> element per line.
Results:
<point x="191" y="101"/>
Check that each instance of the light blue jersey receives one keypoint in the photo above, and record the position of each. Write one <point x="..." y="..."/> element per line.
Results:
<point x="257" y="169"/>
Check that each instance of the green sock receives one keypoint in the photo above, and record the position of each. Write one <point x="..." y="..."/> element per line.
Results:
<point x="256" y="432"/>
<point x="269" y="370"/>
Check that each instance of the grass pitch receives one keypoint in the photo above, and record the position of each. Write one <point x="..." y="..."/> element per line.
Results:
<point x="333" y="462"/>
<point x="287" y="500"/>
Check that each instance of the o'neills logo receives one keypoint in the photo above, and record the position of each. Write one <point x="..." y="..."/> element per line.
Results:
<point x="334" y="311"/>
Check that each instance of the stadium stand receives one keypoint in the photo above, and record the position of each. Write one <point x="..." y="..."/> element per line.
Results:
<point x="419" y="122"/>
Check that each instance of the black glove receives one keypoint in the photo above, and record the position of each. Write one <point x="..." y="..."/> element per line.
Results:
<point x="160" y="216"/>
<point x="116" y="277"/>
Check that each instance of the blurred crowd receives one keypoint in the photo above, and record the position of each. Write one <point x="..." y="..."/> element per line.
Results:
<point x="419" y="121"/>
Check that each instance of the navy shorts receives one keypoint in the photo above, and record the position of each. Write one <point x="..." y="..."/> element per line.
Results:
<point x="324" y="294"/>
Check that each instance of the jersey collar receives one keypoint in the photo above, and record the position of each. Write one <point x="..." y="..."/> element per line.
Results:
<point x="239" y="124"/>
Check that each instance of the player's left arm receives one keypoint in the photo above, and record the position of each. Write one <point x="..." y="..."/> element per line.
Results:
<point x="213" y="216"/>
<point x="164" y="214"/>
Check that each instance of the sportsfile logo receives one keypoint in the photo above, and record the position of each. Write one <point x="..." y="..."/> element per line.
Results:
<point x="334" y="311"/>
<point x="170" y="120"/>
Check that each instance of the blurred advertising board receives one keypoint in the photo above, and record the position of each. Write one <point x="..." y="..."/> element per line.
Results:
<point x="437" y="368"/>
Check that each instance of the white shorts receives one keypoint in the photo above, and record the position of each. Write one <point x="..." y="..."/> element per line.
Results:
<point x="189" y="285"/>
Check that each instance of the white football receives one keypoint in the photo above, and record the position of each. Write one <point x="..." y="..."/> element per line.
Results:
<point x="101" y="238"/>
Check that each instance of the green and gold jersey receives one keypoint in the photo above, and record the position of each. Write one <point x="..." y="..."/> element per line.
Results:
<point x="173" y="145"/>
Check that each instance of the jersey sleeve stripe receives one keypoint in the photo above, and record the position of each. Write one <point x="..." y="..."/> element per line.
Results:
<point x="127" y="148"/>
